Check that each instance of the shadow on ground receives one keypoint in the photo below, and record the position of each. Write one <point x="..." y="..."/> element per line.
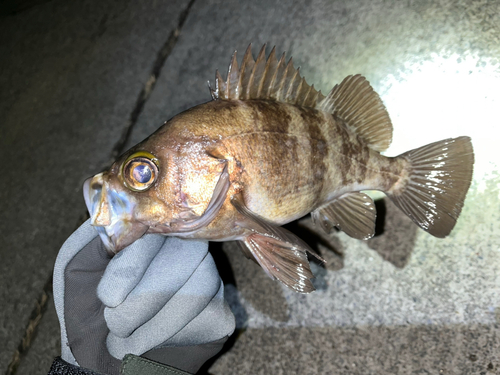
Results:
<point x="454" y="349"/>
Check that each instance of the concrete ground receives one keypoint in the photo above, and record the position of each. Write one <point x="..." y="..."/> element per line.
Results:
<point x="75" y="78"/>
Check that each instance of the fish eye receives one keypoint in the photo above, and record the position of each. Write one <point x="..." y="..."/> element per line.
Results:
<point x="140" y="171"/>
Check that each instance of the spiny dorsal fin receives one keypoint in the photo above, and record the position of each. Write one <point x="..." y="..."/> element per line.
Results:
<point x="265" y="79"/>
<point x="355" y="102"/>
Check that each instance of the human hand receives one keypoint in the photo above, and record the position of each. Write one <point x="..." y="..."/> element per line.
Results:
<point x="160" y="298"/>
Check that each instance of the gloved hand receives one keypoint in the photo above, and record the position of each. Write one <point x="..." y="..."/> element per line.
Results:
<point x="161" y="298"/>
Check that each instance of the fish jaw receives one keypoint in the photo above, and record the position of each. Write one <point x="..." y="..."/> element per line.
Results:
<point x="111" y="213"/>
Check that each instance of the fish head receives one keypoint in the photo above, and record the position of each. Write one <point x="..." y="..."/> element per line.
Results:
<point x="122" y="201"/>
<point x="156" y="187"/>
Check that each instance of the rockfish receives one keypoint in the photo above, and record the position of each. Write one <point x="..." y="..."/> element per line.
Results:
<point x="268" y="149"/>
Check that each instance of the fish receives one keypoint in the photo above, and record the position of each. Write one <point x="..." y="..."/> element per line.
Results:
<point x="269" y="149"/>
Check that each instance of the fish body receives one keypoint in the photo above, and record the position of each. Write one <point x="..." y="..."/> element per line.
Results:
<point x="285" y="160"/>
<point x="270" y="149"/>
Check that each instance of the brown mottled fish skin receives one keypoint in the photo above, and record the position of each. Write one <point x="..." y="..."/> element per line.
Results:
<point x="270" y="149"/>
<point x="286" y="160"/>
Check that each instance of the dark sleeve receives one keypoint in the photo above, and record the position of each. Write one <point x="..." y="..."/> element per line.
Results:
<point x="61" y="367"/>
<point x="131" y="365"/>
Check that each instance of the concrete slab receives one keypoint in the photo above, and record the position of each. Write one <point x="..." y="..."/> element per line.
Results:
<point x="70" y="75"/>
<point x="364" y="350"/>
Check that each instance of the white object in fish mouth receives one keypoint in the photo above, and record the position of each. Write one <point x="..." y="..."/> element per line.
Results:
<point x="111" y="214"/>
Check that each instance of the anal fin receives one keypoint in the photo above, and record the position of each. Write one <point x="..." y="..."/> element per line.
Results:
<point x="281" y="254"/>
<point x="353" y="213"/>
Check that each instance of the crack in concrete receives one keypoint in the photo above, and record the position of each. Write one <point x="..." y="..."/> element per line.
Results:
<point x="12" y="7"/>
<point x="31" y="328"/>
<point x="148" y="88"/>
<point x="46" y="293"/>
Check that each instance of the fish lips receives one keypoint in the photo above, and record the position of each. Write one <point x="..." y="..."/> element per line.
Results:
<point x="111" y="213"/>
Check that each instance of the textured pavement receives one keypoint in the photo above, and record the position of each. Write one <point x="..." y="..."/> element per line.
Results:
<point x="71" y="77"/>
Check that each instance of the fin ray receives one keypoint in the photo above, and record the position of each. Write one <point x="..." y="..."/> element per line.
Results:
<point x="233" y="77"/>
<point x="257" y="77"/>
<point x="245" y="73"/>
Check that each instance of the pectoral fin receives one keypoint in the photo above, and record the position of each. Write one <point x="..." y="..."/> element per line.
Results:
<point x="353" y="213"/>
<point x="280" y="253"/>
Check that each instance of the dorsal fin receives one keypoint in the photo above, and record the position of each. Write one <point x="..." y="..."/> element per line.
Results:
<point x="265" y="79"/>
<point x="354" y="101"/>
<point x="359" y="106"/>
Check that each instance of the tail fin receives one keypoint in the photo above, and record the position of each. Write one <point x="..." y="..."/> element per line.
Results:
<point x="438" y="180"/>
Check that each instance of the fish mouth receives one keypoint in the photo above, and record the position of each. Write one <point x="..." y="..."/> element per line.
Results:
<point x="111" y="213"/>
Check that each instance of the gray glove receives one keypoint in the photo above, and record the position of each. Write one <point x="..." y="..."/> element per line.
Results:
<point x="160" y="298"/>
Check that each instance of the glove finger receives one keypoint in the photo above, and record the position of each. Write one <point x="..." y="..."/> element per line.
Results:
<point x="215" y="322"/>
<point x="167" y="273"/>
<point x="127" y="268"/>
<point x="200" y="339"/>
<point x="182" y="308"/>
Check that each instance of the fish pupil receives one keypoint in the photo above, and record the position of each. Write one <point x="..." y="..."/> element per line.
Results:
<point x="142" y="173"/>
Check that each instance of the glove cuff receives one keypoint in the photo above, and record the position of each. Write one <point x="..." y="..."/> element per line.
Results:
<point x="131" y="365"/>
<point x="134" y="365"/>
<point x="61" y="367"/>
